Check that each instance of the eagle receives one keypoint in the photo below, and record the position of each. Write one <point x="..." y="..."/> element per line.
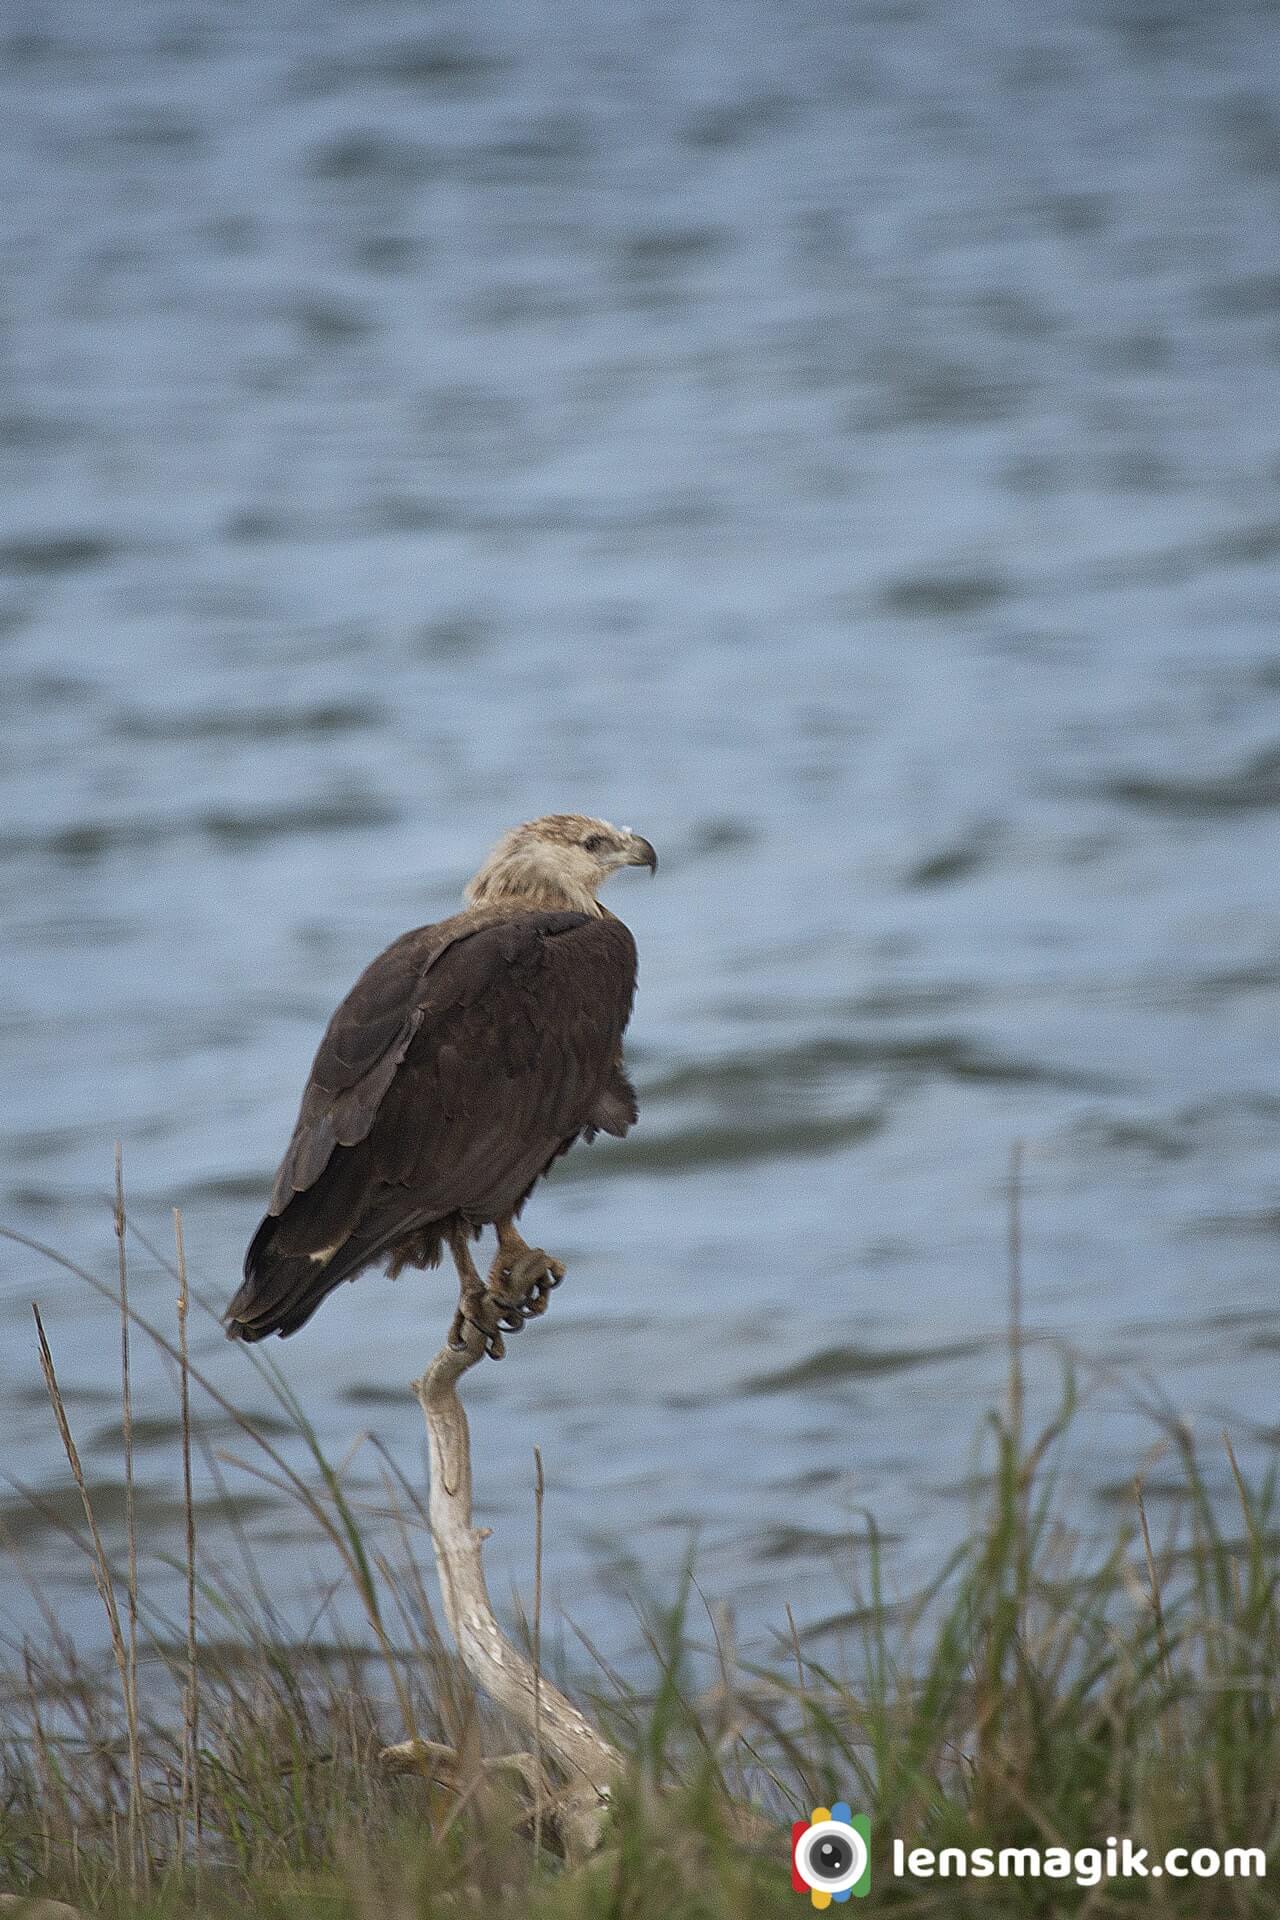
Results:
<point x="464" y="1061"/>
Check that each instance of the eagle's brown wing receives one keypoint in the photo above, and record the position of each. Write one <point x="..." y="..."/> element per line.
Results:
<point x="461" y="1063"/>
<point x="363" y="1045"/>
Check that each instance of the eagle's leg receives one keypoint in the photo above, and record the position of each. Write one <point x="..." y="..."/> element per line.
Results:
<point x="475" y="1303"/>
<point x="521" y="1277"/>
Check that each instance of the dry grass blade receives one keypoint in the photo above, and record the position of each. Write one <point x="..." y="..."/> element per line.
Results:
<point x="98" y="1555"/>
<point x="1246" y="1505"/>
<point x="539" y="1492"/>
<point x="137" y="1838"/>
<point x="1157" y="1608"/>
<point x="795" y="1648"/>
<point x="191" y="1702"/>
<point x="1017" y="1390"/>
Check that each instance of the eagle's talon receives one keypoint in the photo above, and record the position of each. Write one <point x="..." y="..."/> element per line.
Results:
<point x="518" y="1290"/>
<point x="522" y="1278"/>
<point x="486" y="1323"/>
<point x="477" y="1309"/>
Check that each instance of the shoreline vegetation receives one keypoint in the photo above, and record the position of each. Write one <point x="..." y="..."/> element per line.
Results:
<point x="1037" y="1694"/>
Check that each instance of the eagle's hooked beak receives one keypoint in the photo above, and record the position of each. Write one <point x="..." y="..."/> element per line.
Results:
<point x="642" y="853"/>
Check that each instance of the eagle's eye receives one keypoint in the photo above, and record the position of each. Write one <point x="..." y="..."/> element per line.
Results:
<point x="593" y="843"/>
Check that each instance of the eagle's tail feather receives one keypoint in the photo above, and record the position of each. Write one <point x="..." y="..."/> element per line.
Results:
<point x="282" y="1288"/>
<point x="280" y="1291"/>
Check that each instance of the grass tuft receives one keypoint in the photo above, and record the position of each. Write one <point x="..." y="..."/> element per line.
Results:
<point x="1039" y="1693"/>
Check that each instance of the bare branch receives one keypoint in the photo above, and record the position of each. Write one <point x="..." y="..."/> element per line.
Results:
<point x="589" y="1765"/>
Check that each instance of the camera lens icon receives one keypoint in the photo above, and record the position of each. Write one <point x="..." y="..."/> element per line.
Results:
<point x="831" y="1855"/>
<point x="828" y="1858"/>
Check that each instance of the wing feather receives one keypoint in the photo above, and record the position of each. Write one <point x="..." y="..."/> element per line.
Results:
<point x="369" y="1036"/>
<point x="494" y="1086"/>
<point x="460" y="1054"/>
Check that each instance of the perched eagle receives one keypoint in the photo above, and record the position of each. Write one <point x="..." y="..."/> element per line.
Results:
<point x="464" y="1060"/>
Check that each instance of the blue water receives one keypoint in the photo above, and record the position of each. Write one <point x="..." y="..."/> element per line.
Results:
<point x="843" y="444"/>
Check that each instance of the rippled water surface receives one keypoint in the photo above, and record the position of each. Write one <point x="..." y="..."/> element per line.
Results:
<point x="846" y="446"/>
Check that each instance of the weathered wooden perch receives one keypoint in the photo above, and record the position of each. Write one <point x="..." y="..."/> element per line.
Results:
<point x="574" y="1803"/>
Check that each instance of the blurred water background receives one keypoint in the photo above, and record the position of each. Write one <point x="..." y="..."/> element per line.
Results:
<point x="842" y="442"/>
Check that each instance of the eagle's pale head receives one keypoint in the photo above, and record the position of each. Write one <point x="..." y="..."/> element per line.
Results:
<point x="559" y="861"/>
